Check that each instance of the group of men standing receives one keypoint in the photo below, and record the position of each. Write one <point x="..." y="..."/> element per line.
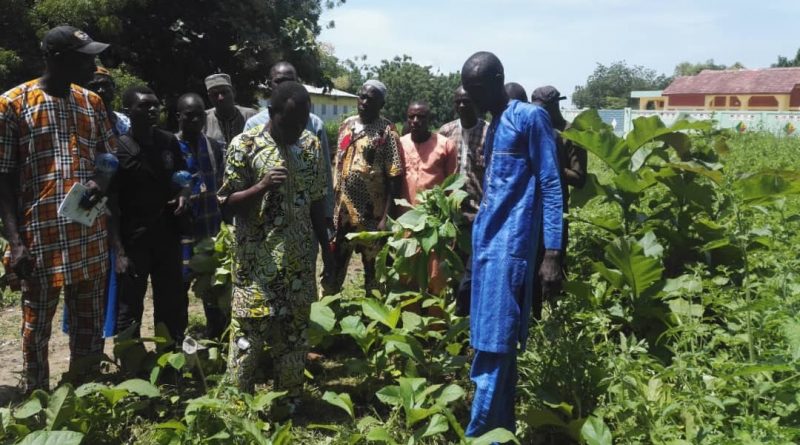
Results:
<point x="290" y="197"/>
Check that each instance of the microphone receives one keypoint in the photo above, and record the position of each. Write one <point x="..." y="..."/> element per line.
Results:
<point x="182" y="178"/>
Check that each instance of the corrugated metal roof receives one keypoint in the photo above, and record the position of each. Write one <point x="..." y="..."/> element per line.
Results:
<point x="331" y="92"/>
<point x="757" y="81"/>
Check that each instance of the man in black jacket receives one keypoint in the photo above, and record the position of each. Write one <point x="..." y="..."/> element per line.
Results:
<point x="151" y="206"/>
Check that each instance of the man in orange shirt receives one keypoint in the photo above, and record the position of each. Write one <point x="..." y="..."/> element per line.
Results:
<point x="428" y="158"/>
<point x="51" y="131"/>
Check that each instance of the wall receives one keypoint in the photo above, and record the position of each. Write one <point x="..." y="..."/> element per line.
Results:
<point x="333" y="108"/>
<point x="776" y="122"/>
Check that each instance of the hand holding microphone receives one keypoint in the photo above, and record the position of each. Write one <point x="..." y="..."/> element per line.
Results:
<point x="105" y="166"/>
<point x="183" y="179"/>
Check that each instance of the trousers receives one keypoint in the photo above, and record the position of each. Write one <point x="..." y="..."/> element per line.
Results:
<point x="155" y="255"/>
<point x="85" y="301"/>
<point x="495" y="378"/>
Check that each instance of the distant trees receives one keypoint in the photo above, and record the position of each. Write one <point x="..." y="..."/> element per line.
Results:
<point x="784" y="62"/>
<point x="610" y="86"/>
<point x="174" y="44"/>
<point x="691" y="69"/>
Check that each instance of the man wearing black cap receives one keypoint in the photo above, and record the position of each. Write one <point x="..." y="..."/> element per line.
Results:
<point x="572" y="163"/>
<point x="51" y="129"/>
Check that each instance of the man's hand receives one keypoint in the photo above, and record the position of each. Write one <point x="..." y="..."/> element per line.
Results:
<point x="122" y="263"/>
<point x="21" y="261"/>
<point x="92" y="195"/>
<point x="274" y="178"/>
<point x="550" y="273"/>
<point x="181" y="204"/>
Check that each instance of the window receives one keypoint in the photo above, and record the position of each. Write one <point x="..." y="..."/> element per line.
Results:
<point x="344" y="109"/>
<point x="324" y="110"/>
<point x="335" y="109"/>
<point x="312" y="107"/>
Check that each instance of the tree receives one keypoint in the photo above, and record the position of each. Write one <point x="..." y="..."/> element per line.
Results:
<point x="407" y="81"/>
<point x="610" y="86"/>
<point x="785" y="62"/>
<point x="691" y="69"/>
<point x="173" y="45"/>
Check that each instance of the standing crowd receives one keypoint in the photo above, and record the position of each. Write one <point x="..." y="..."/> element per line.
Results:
<point x="290" y="196"/>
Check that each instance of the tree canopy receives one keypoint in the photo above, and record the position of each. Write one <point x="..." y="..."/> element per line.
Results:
<point x="785" y="62"/>
<point x="690" y="69"/>
<point x="610" y="86"/>
<point x="173" y="45"/>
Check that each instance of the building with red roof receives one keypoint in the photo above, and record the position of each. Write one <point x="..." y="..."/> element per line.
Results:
<point x="766" y="89"/>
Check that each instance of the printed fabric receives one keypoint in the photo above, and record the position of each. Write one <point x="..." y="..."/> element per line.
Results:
<point x="368" y="155"/>
<point x="274" y="255"/>
<point x="469" y="146"/>
<point x="51" y="143"/>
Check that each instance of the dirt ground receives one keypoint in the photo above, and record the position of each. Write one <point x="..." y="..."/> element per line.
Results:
<point x="11" y="345"/>
<point x="11" y="340"/>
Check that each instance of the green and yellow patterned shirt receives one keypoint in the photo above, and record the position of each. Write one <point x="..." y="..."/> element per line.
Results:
<point x="273" y="260"/>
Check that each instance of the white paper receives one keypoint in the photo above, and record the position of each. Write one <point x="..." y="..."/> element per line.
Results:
<point x="71" y="209"/>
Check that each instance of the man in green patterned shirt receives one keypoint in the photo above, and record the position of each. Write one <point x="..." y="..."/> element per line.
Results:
<point x="274" y="184"/>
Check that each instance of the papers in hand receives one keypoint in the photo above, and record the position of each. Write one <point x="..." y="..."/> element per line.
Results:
<point x="71" y="209"/>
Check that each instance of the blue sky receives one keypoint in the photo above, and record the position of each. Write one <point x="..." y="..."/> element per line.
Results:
<point x="559" y="42"/>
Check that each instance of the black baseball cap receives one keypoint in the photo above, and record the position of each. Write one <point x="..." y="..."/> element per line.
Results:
<point x="546" y="94"/>
<point x="69" y="38"/>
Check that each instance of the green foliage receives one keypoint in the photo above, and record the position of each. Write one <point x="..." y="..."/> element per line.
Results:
<point x="610" y="86"/>
<point x="690" y="69"/>
<point x="786" y="62"/>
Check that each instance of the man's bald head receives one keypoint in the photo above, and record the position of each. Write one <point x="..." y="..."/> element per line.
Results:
<point x="516" y="91"/>
<point x="190" y="100"/>
<point x="483" y="78"/>
<point x="281" y="72"/>
<point x="191" y="115"/>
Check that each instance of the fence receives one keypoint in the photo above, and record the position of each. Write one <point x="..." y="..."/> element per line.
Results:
<point x="776" y="122"/>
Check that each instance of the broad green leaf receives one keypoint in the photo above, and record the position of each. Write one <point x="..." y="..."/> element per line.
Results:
<point x="341" y="400"/>
<point x="454" y="182"/>
<point x="612" y="276"/>
<point x="113" y="395"/>
<point x="415" y="415"/>
<point x="52" y="438"/>
<point x="352" y="326"/>
<point x="766" y="186"/>
<point x="429" y="241"/>
<point x="60" y="407"/>
<point x="171" y="425"/>
<point x="367" y="237"/>
<point x="684" y="308"/>
<point x="177" y="360"/>
<point x="537" y="418"/>
<point x="638" y="270"/>
<point x="264" y="400"/>
<point x="411" y="321"/>
<point x="437" y="425"/>
<point x="450" y="394"/>
<point x="596" y="432"/>
<point x="612" y="225"/>
<point x="405" y="344"/>
<point x="604" y="144"/>
<point x="631" y="183"/>
<point x="497" y="435"/>
<point x="89" y="388"/>
<point x="253" y="429"/>
<point x="578" y="197"/>
<point x="31" y="407"/>
<point x="758" y="369"/>
<point x="322" y="316"/>
<point x="140" y="387"/>
<point x="283" y="435"/>
<point x="791" y="330"/>
<point x="377" y="311"/>
<point x="381" y="434"/>
<point x="695" y="167"/>
<point x="390" y="395"/>
<point x="413" y="220"/>
<point x="589" y="120"/>
<point x="652" y="248"/>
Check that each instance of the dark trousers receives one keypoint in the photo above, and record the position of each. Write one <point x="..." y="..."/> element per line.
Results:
<point x="155" y="255"/>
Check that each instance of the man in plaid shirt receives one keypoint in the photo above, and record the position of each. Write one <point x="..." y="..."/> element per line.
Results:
<point x="50" y="132"/>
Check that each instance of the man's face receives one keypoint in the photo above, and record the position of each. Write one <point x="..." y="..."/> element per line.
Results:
<point x="221" y="97"/>
<point x="282" y="74"/>
<point x="191" y="117"/>
<point x="370" y="102"/>
<point x="75" y="67"/>
<point x="104" y="87"/>
<point x="289" y="123"/>
<point x="418" y="116"/>
<point x="464" y="106"/>
<point x="145" y="110"/>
